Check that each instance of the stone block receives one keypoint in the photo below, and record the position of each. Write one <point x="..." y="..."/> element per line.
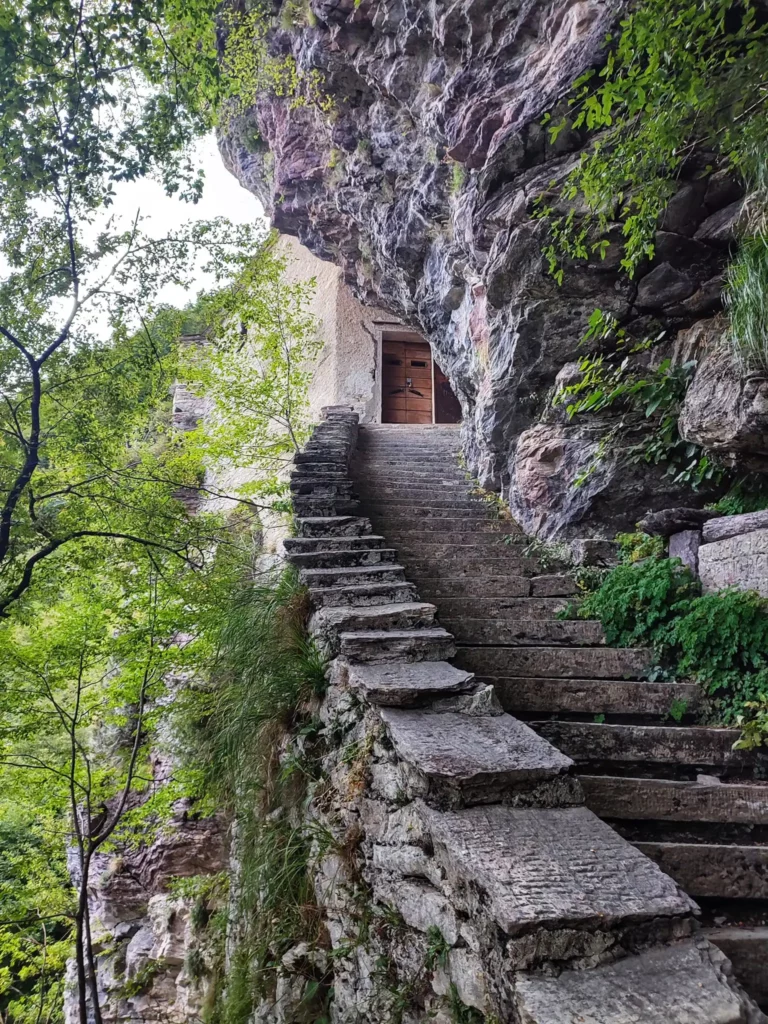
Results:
<point x="685" y="546"/>
<point x="711" y="870"/>
<point x="406" y="683"/>
<point x="485" y="758"/>
<point x="669" y="800"/>
<point x="723" y="527"/>
<point x="683" y="984"/>
<point x="740" y="561"/>
<point x="550" y="868"/>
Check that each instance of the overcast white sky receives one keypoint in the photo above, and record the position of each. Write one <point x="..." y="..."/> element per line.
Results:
<point x="222" y="197"/>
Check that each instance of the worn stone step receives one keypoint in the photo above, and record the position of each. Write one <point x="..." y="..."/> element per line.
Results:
<point x="461" y="759"/>
<point x="472" y="565"/>
<point x="449" y="529"/>
<point x="547" y="869"/>
<point x="415" y="493"/>
<point x="316" y="465"/>
<point x="340" y="577"/>
<point x="438" y="589"/>
<point x="320" y="485"/>
<point x="459" y="506"/>
<point x="458" y="608"/>
<point x="434" y="545"/>
<point x="683" y="745"/>
<point x="554" y="585"/>
<point x="418" y="471"/>
<point x="305" y="545"/>
<point x="710" y="870"/>
<point x="554" y="662"/>
<point x="523" y="631"/>
<point x="363" y="595"/>
<point x="341" y="558"/>
<point x="333" y="526"/>
<point x="408" y="510"/>
<point x="406" y="684"/>
<point x="486" y="560"/>
<point x="747" y="949"/>
<point x="670" y="800"/>
<point x="686" y="983"/>
<point x="433" y="644"/>
<point x="329" y="623"/>
<point x="314" y="507"/>
<point x="595" y="696"/>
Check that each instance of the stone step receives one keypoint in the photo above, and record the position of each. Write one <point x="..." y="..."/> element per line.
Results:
<point x="416" y="472"/>
<point x="554" y="585"/>
<point x="363" y="595"/>
<point x="320" y="485"/>
<point x="464" y="564"/>
<point x="714" y="871"/>
<point x="537" y="871"/>
<point x="458" y="506"/>
<point x="317" y="465"/>
<point x="329" y="623"/>
<point x="305" y="545"/>
<point x="386" y="510"/>
<point x="535" y="632"/>
<point x="406" y="684"/>
<point x="458" y="608"/>
<point x="398" y="645"/>
<point x="487" y="559"/>
<point x="554" y="662"/>
<point x="468" y="586"/>
<point x="461" y="760"/>
<point x="314" y="507"/>
<point x="427" y="495"/>
<point x="333" y="526"/>
<point x="747" y="949"/>
<point x="342" y="558"/>
<point x="683" y="745"/>
<point x="387" y="573"/>
<point x="432" y="543"/>
<point x="594" y="696"/>
<point x="686" y="983"/>
<point x="450" y="529"/>
<point x="670" y="800"/>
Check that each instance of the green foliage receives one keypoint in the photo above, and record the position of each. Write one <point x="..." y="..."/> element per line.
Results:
<point x="649" y="401"/>
<point x="437" y="949"/>
<point x="747" y="294"/>
<point x="720" y="640"/>
<point x="237" y="727"/>
<point x="754" y="724"/>
<point x="748" y="494"/>
<point x="460" y="1012"/>
<point x="679" y="75"/>
<point x="36" y="904"/>
<point x="458" y="176"/>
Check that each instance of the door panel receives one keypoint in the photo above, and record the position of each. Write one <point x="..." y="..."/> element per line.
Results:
<point x="406" y="382"/>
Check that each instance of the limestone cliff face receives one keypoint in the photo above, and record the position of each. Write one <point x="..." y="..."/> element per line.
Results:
<point x="420" y="180"/>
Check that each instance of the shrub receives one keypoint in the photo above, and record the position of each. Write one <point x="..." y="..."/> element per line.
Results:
<point x="720" y="639"/>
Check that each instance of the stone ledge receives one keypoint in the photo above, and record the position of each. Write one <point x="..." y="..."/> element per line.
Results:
<point x="687" y="983"/>
<point x="468" y="759"/>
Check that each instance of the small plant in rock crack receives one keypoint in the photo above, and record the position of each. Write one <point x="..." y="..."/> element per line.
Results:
<point x="550" y="556"/>
<point x="678" y="709"/>
<point x="753" y="724"/>
<point x="437" y="949"/>
<point x="460" y="1012"/>
<point x="599" y="719"/>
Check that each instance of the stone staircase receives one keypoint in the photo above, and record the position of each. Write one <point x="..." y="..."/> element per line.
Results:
<point x="585" y="926"/>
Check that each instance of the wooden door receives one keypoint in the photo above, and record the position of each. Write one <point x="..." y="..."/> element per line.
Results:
<point x="406" y="382"/>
